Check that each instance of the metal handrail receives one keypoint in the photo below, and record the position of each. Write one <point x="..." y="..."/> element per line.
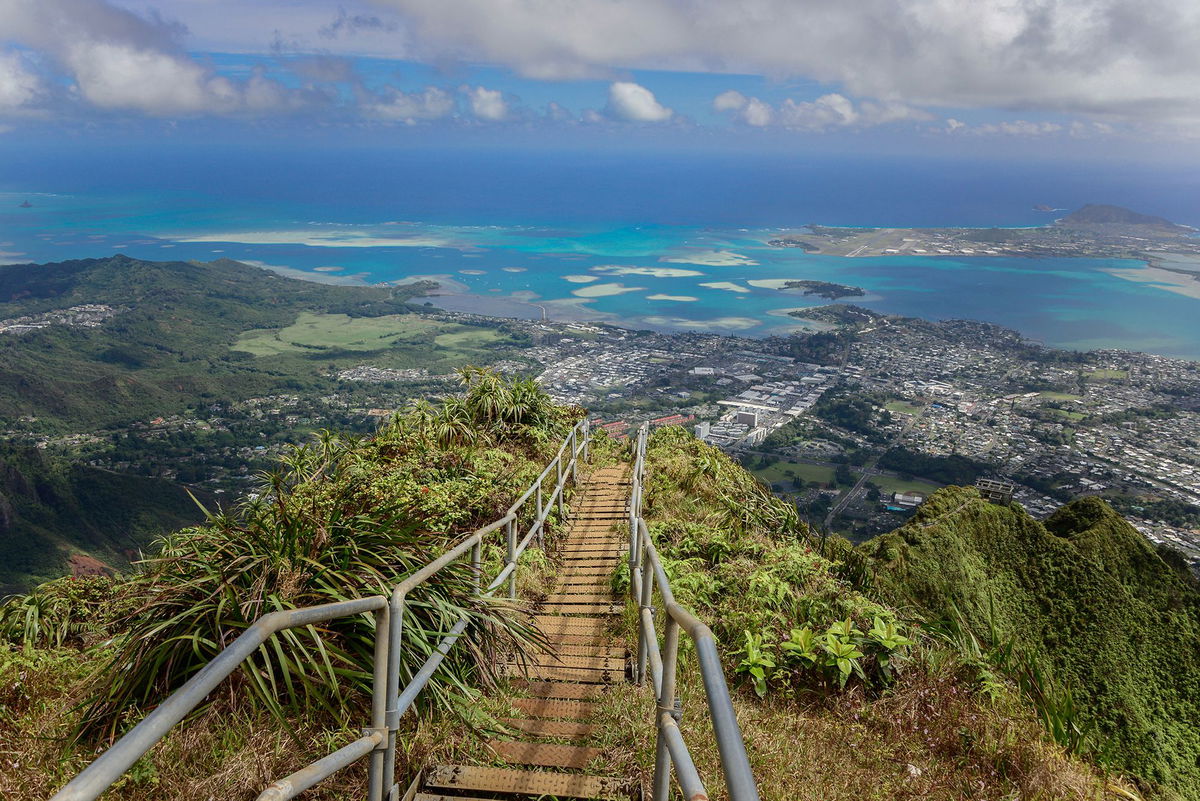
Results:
<point x="389" y="701"/>
<point x="645" y="572"/>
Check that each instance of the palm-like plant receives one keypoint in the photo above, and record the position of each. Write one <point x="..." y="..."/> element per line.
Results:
<point x="312" y="535"/>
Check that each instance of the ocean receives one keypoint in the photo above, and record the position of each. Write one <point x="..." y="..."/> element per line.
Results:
<point x="673" y="242"/>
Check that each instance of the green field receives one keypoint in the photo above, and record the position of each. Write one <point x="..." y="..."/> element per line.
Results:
<point x="313" y="333"/>
<point x="902" y="407"/>
<point x="1059" y="396"/>
<point x="1106" y="375"/>
<point x="889" y="484"/>
<point x="1073" y="417"/>
<point x="783" y="471"/>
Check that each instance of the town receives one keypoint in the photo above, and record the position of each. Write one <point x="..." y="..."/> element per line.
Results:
<point x="856" y="425"/>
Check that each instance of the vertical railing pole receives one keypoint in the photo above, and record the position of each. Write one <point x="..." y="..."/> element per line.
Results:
<point x="587" y="439"/>
<point x="574" y="455"/>
<point x="379" y="704"/>
<point x="666" y="706"/>
<point x="511" y="534"/>
<point x="392" y="715"/>
<point x="477" y="565"/>
<point x="646" y="605"/>
<point x="558" y="471"/>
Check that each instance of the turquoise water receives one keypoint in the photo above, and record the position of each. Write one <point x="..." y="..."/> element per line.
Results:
<point x="670" y="277"/>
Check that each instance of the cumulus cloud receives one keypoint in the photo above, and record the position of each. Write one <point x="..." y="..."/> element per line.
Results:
<point x="19" y="85"/>
<point x="635" y="103"/>
<point x="411" y="107"/>
<point x="1020" y="128"/>
<point x="118" y="60"/>
<point x="1126" y="57"/>
<point x="827" y="112"/>
<point x="487" y="104"/>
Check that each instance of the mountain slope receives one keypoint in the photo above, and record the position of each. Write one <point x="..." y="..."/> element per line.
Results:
<point x="51" y="511"/>
<point x="167" y="344"/>
<point x="1085" y="595"/>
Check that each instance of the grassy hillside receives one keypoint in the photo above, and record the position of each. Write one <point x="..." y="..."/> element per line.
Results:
<point x="189" y="333"/>
<point x="1084" y="598"/>
<point x="343" y="517"/>
<point x="51" y="511"/>
<point x="838" y="699"/>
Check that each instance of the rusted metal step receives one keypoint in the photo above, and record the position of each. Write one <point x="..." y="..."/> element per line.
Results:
<point x="555" y="708"/>
<point x="559" y="689"/>
<point x="528" y="782"/>
<point x="579" y="598"/>
<point x="546" y="755"/>
<point x="560" y="673"/>
<point x="586" y="662"/>
<point x="598" y="560"/>
<point x="582" y="609"/>
<point x="582" y="625"/>
<point x="550" y="728"/>
<point x="606" y="650"/>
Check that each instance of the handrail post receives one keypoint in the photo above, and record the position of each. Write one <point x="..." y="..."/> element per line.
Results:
<point x="511" y="533"/>
<point x="379" y="698"/>
<point x="477" y="565"/>
<point x="574" y="455"/>
<point x="666" y="706"/>
<point x="392" y="717"/>
<point x="647" y="606"/>
<point x="558" y="471"/>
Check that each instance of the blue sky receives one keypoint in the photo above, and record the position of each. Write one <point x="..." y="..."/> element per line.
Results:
<point x="1077" y="79"/>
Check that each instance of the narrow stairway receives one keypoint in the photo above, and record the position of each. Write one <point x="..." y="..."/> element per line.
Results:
<point x="551" y="758"/>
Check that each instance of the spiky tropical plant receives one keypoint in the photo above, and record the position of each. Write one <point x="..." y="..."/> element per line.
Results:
<point x="341" y="518"/>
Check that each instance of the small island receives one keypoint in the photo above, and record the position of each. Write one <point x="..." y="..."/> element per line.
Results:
<point x="840" y="314"/>
<point x="25" y="205"/>
<point x="827" y="290"/>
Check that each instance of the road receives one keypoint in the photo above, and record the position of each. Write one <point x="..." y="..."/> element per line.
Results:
<point x="868" y="469"/>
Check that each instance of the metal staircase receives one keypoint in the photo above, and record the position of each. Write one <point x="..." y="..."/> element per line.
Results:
<point x="553" y="755"/>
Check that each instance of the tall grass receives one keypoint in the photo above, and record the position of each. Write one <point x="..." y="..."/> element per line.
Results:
<point x="340" y="518"/>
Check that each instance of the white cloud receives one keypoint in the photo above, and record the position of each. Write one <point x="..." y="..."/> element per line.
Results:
<point x="1023" y="128"/>
<point x="411" y="107"/>
<point x="118" y="60"/>
<point x="827" y="112"/>
<point x="1136" y="58"/>
<point x="19" y="86"/>
<point x="487" y="104"/>
<point x="635" y="103"/>
<point x="730" y="100"/>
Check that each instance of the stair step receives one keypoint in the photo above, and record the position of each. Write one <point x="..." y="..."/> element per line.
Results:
<point x="571" y="625"/>
<point x="550" y="728"/>
<point x="579" y="598"/>
<point x="528" y="782"/>
<point x="605" y="650"/>
<point x="546" y="755"/>
<point x="582" y="609"/>
<point x="555" y="708"/>
<point x="558" y="689"/>
<point x="575" y="661"/>
<point x="563" y="673"/>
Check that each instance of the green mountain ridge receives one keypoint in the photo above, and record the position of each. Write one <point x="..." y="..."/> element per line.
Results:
<point x="51" y="510"/>
<point x="170" y="344"/>
<point x="1086" y="596"/>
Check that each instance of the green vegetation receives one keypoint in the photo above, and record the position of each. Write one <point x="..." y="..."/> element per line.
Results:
<point x="901" y="407"/>
<point x="853" y="411"/>
<point x="891" y="484"/>
<point x="1101" y="628"/>
<point x="941" y="469"/>
<point x="831" y="685"/>
<point x="188" y="333"/>
<point x="341" y="518"/>
<point x="52" y="511"/>
<point x="786" y="472"/>
<point x="313" y="333"/>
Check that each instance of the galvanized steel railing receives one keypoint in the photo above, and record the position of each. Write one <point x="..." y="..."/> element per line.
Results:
<point x="388" y="701"/>
<point x="646" y="575"/>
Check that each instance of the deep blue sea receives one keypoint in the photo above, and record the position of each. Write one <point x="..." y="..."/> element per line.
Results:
<point x="664" y="241"/>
